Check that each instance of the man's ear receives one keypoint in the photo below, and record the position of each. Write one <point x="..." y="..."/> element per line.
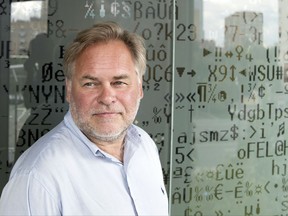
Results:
<point x="141" y="93"/>
<point x="68" y="84"/>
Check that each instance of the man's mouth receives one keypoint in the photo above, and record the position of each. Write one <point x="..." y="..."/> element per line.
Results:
<point x="107" y="114"/>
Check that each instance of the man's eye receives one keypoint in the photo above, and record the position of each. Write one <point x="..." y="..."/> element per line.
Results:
<point x="89" y="84"/>
<point x="119" y="83"/>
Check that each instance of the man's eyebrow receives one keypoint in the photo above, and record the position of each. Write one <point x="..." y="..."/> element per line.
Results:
<point x="119" y="77"/>
<point x="124" y="76"/>
<point x="89" y="77"/>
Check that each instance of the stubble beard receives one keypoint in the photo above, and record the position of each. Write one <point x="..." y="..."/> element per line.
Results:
<point x="82" y="122"/>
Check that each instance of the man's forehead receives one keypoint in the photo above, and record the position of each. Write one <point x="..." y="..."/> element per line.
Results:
<point x="108" y="65"/>
<point x="106" y="59"/>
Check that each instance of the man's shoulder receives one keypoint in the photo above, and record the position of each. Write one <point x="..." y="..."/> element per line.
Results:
<point x="44" y="151"/>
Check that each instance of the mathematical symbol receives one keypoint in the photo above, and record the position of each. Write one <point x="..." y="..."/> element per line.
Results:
<point x="180" y="97"/>
<point x="189" y="154"/>
<point x="156" y="118"/>
<point x="206" y="52"/>
<point x="192" y="73"/>
<point x="265" y="187"/>
<point x="212" y="94"/>
<point x="228" y="54"/>
<point x="180" y="70"/>
<point x="252" y="92"/>
<point x="243" y="72"/>
<point x="89" y="11"/>
<point x="190" y="97"/>
<point x="168" y="97"/>
<point x="219" y="213"/>
<point x="254" y="131"/>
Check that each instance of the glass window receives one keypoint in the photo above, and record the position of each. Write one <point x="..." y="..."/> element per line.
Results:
<point x="215" y="92"/>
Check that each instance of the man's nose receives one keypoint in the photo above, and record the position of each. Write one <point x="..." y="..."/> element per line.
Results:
<point x="107" y="95"/>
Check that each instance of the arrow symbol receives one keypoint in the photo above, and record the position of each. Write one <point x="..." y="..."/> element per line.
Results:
<point x="243" y="72"/>
<point x="180" y="70"/>
<point x="228" y="54"/>
<point x="265" y="187"/>
<point x="192" y="73"/>
<point x="189" y="154"/>
<point x="219" y="213"/>
<point x="179" y="97"/>
<point x="190" y="97"/>
<point x="206" y="52"/>
<point x="168" y="97"/>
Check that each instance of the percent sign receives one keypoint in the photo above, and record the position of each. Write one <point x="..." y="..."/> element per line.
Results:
<point x="90" y="10"/>
<point x="249" y="191"/>
<point x="156" y="117"/>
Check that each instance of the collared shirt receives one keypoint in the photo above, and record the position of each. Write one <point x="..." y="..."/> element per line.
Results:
<point x="64" y="173"/>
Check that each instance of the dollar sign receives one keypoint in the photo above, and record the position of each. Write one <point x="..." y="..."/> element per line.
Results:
<point x="114" y="8"/>
<point x="234" y="130"/>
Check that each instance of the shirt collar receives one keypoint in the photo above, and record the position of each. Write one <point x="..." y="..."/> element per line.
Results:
<point x="132" y="143"/>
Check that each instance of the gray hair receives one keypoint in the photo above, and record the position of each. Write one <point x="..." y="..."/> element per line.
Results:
<point x="105" y="32"/>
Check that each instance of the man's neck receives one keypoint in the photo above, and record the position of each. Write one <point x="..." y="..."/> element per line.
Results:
<point x="114" y="149"/>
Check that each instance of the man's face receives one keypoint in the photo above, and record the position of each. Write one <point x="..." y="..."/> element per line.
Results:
<point x="104" y="92"/>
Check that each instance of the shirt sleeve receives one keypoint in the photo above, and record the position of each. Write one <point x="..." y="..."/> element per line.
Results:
<point x="25" y="195"/>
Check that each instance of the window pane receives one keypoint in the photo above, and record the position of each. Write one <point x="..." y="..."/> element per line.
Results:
<point x="215" y="92"/>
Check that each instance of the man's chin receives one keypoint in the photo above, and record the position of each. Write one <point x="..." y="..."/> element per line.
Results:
<point x="109" y="137"/>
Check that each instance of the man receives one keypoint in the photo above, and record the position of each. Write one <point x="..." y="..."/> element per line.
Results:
<point x="95" y="162"/>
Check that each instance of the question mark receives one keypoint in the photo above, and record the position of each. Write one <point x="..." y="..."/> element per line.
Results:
<point x="160" y="29"/>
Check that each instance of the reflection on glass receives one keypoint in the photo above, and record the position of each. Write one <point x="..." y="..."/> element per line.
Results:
<point x="230" y="87"/>
<point x="229" y="147"/>
<point x="28" y="21"/>
<point x="217" y="12"/>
